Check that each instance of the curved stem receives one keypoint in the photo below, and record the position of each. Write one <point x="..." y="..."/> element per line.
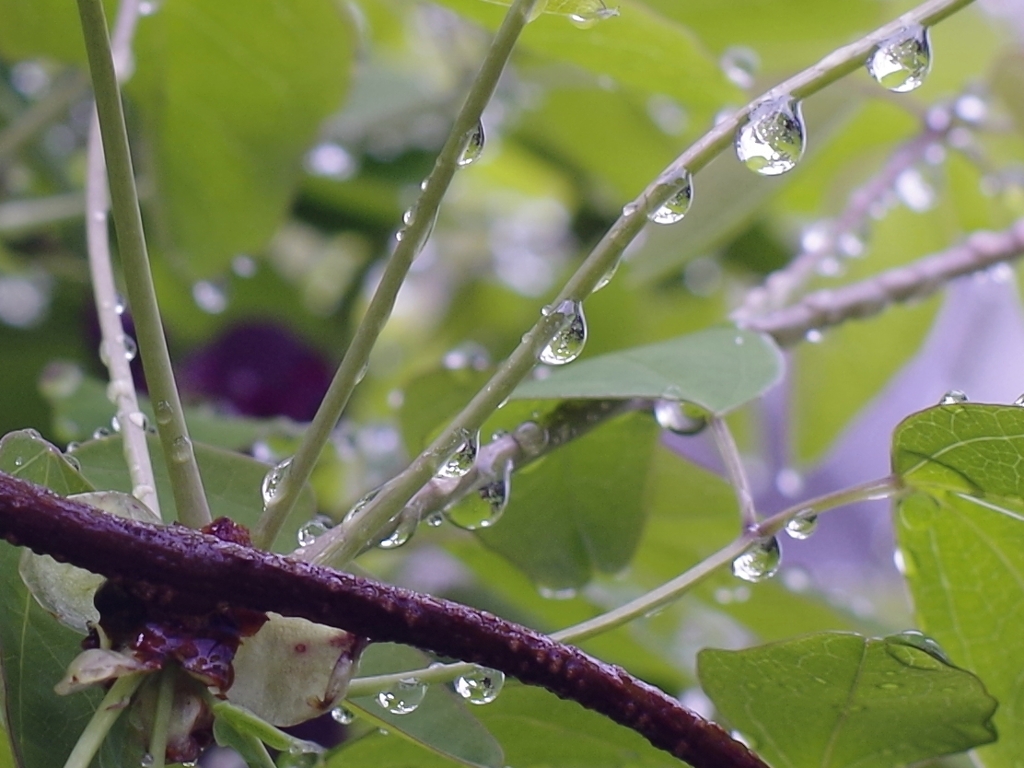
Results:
<point x="186" y="483"/>
<point x="353" y="365"/>
<point x="184" y="570"/>
<point x="396" y="493"/>
<point x="103" y="719"/>
<point x="737" y="474"/>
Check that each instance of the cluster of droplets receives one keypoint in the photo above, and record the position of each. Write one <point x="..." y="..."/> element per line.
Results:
<point x="759" y="562"/>
<point x="568" y="342"/>
<point x="403" y="697"/>
<point x="483" y="506"/>
<point x="481" y="686"/>
<point x="901" y="62"/>
<point x="772" y="140"/>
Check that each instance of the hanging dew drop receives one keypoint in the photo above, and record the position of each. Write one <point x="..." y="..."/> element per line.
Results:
<point x="274" y="480"/>
<point x="675" y="208"/>
<point x="901" y="62"/>
<point x="953" y="397"/>
<point x="342" y="716"/>
<point x="772" y="140"/>
<point x="607" y="276"/>
<point x="130" y="348"/>
<point x="802" y="525"/>
<point x="481" y="686"/>
<point x="403" y="697"/>
<point x="760" y="562"/>
<point x="461" y="460"/>
<point x="484" y="506"/>
<point x="673" y="416"/>
<point x="401" y="534"/>
<point x="570" y="339"/>
<point x="164" y="412"/>
<point x="473" y="147"/>
<point x="311" y="529"/>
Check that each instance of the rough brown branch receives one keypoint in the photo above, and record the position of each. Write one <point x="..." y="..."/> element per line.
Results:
<point x="190" y="571"/>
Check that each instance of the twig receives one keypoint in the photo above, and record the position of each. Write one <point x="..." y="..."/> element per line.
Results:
<point x="730" y="454"/>
<point x="821" y="309"/>
<point x="189" y="498"/>
<point x="414" y="234"/>
<point x="122" y="386"/>
<point x="841" y="62"/>
<point x="188" y="571"/>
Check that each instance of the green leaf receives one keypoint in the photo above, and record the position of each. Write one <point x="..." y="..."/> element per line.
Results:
<point x="580" y="509"/>
<point x="48" y="28"/>
<point x="230" y="95"/>
<point x="228" y="734"/>
<point x="231" y="480"/>
<point x="718" y="369"/>
<point x="26" y="455"/>
<point x="973" y="448"/>
<point x="831" y="700"/>
<point x="639" y="48"/>
<point x="441" y="724"/>
<point x="536" y="730"/>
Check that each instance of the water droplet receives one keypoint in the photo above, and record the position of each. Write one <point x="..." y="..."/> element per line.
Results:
<point x="760" y="562"/>
<point x="181" y="449"/>
<point x="403" y="697"/>
<point x="802" y="525"/>
<point x="912" y="638"/>
<point x="680" y="418"/>
<point x="302" y="754"/>
<point x="342" y="715"/>
<point x="814" y="336"/>
<point x="586" y="17"/>
<point x="608" y="275"/>
<point x="915" y="191"/>
<point x="473" y="147"/>
<point x="460" y="461"/>
<point x="901" y="62"/>
<point x="481" y="686"/>
<point x="403" y="531"/>
<point x="130" y="348"/>
<point x="146" y="760"/>
<point x="331" y="160"/>
<point x="164" y="412"/>
<point x="73" y="462"/>
<point x="119" y="304"/>
<point x="675" y="208"/>
<point x="740" y="64"/>
<point x="139" y="419"/>
<point x="100" y="432"/>
<point x="73" y="446"/>
<point x="773" y="138"/>
<point x="570" y="339"/>
<point x="274" y="481"/>
<point x="435" y="519"/>
<point x="971" y="108"/>
<point x="210" y="297"/>
<point x="953" y="397"/>
<point x="483" y="506"/>
<point x="311" y="529"/>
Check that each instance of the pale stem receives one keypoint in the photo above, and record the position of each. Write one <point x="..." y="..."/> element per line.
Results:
<point x="353" y="365"/>
<point x="667" y="593"/>
<point x="396" y="493"/>
<point x="734" y="469"/>
<point x="103" y="719"/>
<point x="121" y="389"/>
<point x="186" y="483"/>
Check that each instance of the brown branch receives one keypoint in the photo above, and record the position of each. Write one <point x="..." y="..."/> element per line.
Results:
<point x="189" y="571"/>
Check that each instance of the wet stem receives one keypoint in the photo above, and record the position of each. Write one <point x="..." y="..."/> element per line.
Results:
<point x="110" y="708"/>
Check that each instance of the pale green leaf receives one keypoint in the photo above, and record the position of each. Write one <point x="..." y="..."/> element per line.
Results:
<point x="835" y="700"/>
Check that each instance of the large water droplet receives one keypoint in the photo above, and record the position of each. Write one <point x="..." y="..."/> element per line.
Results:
<point x="405" y="527"/>
<point x="311" y="529"/>
<point x="403" y="697"/>
<point x="675" y="208"/>
<point x="181" y="449"/>
<point x="595" y="11"/>
<point x="953" y="397"/>
<point x="802" y="525"/>
<point x="912" y="638"/>
<point x="473" y="147"/>
<point x="274" y="480"/>
<point x="342" y="715"/>
<point x="740" y="64"/>
<point x="760" y="562"/>
<point x="482" y="507"/>
<point x="901" y="62"/>
<point x="773" y="138"/>
<point x="570" y="339"/>
<point x="461" y="459"/>
<point x="680" y="418"/>
<point x="481" y="686"/>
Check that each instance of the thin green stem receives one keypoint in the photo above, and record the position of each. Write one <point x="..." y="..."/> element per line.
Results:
<point x="667" y="593"/>
<point x="162" y="716"/>
<point x="353" y="365"/>
<point x="734" y="469"/>
<point x="186" y="483"/>
<point x="103" y="719"/>
<point x="396" y="493"/>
